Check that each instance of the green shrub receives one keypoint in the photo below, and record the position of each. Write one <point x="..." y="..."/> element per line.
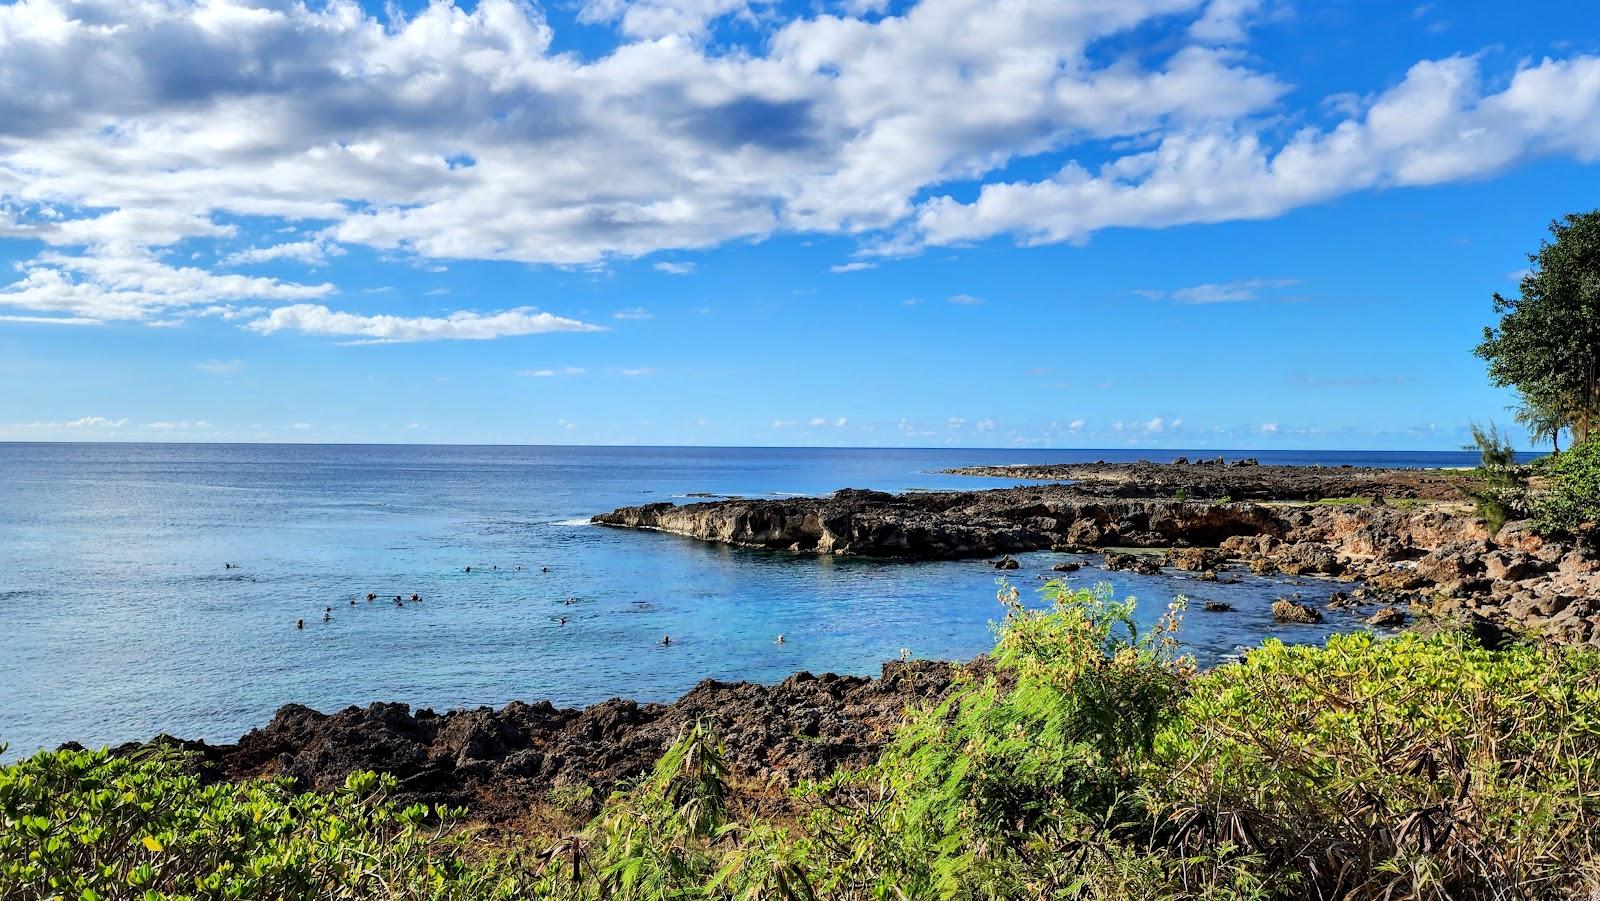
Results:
<point x="1006" y="788"/>
<point x="1499" y="486"/>
<point x="1572" y="499"/>
<point x="86" y="825"/>
<point x="1411" y="767"/>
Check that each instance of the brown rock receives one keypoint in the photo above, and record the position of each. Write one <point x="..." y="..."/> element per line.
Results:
<point x="1285" y="610"/>
<point x="1387" y="617"/>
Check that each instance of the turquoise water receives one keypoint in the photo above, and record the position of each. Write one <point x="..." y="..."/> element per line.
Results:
<point x="120" y="620"/>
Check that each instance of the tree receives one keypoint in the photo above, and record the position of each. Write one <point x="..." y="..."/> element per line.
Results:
<point x="1544" y="418"/>
<point x="1548" y="343"/>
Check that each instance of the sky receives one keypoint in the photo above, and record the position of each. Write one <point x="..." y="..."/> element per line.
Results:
<point x="1012" y="223"/>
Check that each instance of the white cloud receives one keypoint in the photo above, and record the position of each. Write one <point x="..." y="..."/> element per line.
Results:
<point x="87" y="422"/>
<point x="675" y="268"/>
<point x="1223" y="292"/>
<point x="1268" y="428"/>
<point x="221" y="367"/>
<point x="53" y="320"/>
<point x="135" y="285"/>
<point x="310" y="253"/>
<point x="315" y="319"/>
<point x="1155" y="425"/>
<point x="1224" y="21"/>
<point x="1436" y="126"/>
<point x="955" y="422"/>
<point x="143" y="131"/>
<point x="986" y="425"/>
<point x="1076" y="425"/>
<point x="641" y="371"/>
<point x="857" y="266"/>
<point x="178" y="425"/>
<point x="965" y="300"/>
<point x="635" y="313"/>
<point x="550" y="373"/>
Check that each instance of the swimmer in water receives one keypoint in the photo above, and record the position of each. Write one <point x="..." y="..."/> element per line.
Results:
<point x="299" y="624"/>
<point x="327" y="617"/>
<point x="371" y="596"/>
<point x="415" y="596"/>
<point x="469" y="569"/>
<point x="779" y="641"/>
<point x="561" y="621"/>
<point x="666" y="641"/>
<point x="544" y="569"/>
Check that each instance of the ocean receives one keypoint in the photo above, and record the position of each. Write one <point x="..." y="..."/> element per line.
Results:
<point x="123" y="619"/>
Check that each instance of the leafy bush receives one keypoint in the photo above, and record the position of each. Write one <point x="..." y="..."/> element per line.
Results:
<point x="1572" y="501"/>
<point x="1000" y="790"/>
<point x="1499" y="487"/>
<point x="1404" y="768"/>
<point x="86" y="825"/>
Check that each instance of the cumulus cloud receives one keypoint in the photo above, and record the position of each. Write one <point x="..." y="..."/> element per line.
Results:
<point x="315" y="319"/>
<point x="1438" y="125"/>
<point x="135" y="285"/>
<point x="135" y="132"/>
<point x="310" y="253"/>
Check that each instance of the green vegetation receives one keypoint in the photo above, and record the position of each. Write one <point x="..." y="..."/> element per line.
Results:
<point x="1499" y="487"/>
<point x="1401" y="503"/>
<point x="1547" y="345"/>
<point x="1571" y="502"/>
<point x="1085" y="759"/>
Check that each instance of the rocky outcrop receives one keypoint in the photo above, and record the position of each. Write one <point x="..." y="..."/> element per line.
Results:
<point x="501" y="762"/>
<point x="1434" y="558"/>
<point x="949" y="525"/>
<point x="1286" y="611"/>
<point x="1236" y="479"/>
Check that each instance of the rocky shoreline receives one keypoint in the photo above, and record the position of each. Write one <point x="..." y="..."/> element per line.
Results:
<point x="524" y="762"/>
<point x="1427" y="554"/>
<point x="1238" y="479"/>
<point x="502" y="764"/>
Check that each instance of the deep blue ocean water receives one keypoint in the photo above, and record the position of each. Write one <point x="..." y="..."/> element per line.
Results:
<point x="120" y="620"/>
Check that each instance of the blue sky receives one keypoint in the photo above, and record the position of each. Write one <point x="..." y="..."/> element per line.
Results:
<point x="1168" y="223"/>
